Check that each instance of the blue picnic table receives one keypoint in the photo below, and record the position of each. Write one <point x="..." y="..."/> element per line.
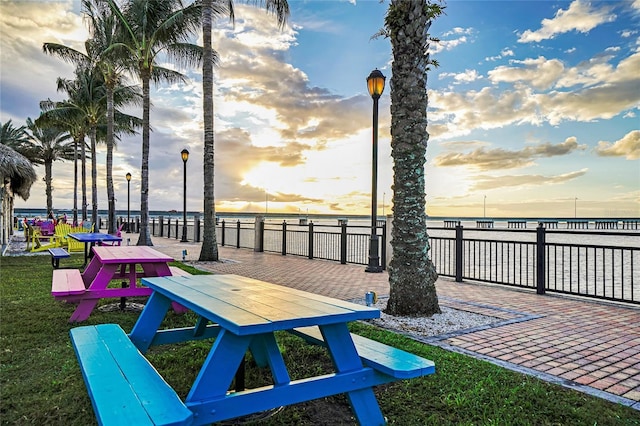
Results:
<point x="242" y="314"/>
<point x="91" y="238"/>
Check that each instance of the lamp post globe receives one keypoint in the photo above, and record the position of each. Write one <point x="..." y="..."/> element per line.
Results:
<point x="128" y="176"/>
<point x="185" y="156"/>
<point x="375" y="85"/>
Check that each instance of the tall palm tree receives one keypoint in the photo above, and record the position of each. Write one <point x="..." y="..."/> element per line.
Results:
<point x="46" y="145"/>
<point x="280" y="8"/>
<point x="412" y="275"/>
<point x="151" y="28"/>
<point x="101" y="56"/>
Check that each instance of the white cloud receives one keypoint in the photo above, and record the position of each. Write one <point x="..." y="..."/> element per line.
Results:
<point x="541" y="73"/>
<point x="579" y="17"/>
<point x="628" y="147"/>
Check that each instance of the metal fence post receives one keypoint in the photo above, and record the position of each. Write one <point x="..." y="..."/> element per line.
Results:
<point x="284" y="237"/>
<point x="343" y="243"/>
<point x="540" y="259"/>
<point x="261" y="236"/>
<point x="310" y="240"/>
<point x="178" y="227"/>
<point x="238" y="234"/>
<point x="223" y="233"/>
<point x="169" y="228"/>
<point x="458" y="249"/>
<point x="383" y="248"/>
<point x="161" y="226"/>
<point x="196" y="228"/>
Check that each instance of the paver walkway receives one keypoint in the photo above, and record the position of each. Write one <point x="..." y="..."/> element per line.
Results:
<point x="587" y="345"/>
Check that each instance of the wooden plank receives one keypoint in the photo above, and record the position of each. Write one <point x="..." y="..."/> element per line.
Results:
<point x="123" y="386"/>
<point x="58" y="253"/>
<point x="67" y="282"/>
<point x="379" y="356"/>
<point x="247" y="306"/>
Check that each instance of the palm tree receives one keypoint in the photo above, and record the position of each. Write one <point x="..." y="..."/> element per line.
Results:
<point x="46" y="145"/>
<point x="280" y="8"/>
<point x="151" y="28"/>
<point x="105" y="60"/>
<point x="412" y="275"/>
<point x="14" y="137"/>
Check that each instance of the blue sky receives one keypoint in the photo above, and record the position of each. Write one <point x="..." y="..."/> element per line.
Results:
<point x="533" y="111"/>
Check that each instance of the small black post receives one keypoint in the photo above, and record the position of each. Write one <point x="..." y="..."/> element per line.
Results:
<point x="540" y="259"/>
<point x="284" y="237"/>
<point x="261" y="236"/>
<point x="161" y="222"/>
<point x="458" y="249"/>
<point x="238" y="234"/>
<point x="223" y="232"/>
<point x="383" y="248"/>
<point x="343" y="243"/>
<point x="196" y="228"/>
<point x="310" y="240"/>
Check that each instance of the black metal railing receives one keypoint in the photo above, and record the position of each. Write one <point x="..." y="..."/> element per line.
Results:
<point x="349" y="245"/>
<point x="601" y="271"/>
<point x="572" y="263"/>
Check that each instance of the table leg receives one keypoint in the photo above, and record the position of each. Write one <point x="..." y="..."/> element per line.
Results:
<point x="345" y="358"/>
<point x="213" y="381"/>
<point x="149" y="321"/>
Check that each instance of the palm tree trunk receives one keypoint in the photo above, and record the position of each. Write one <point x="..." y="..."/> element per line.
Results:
<point x="84" y="180"/>
<point x="48" y="186"/>
<point x="145" y="237"/>
<point x="110" y="192"/>
<point x="209" y="249"/>
<point x="412" y="275"/>
<point x="75" y="181"/>
<point x="94" y="180"/>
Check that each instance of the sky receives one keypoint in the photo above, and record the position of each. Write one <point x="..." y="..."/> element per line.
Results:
<point x="533" y="110"/>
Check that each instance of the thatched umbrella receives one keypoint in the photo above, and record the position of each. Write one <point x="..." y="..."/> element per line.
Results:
<point x="16" y="170"/>
<point x="16" y="177"/>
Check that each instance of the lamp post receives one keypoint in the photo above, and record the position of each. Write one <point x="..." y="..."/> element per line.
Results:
<point x="128" y="175"/>
<point x="185" y="157"/>
<point x="375" y="84"/>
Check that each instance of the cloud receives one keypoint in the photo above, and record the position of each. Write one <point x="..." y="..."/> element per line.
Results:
<point x="26" y="72"/>
<point x="603" y="91"/>
<point x="580" y="16"/>
<point x="541" y="73"/>
<point x="628" y="147"/>
<point x="465" y="77"/>
<point x="500" y="159"/>
<point x="485" y="182"/>
<point x="451" y="39"/>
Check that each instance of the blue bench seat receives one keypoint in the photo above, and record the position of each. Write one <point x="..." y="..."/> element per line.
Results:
<point x="391" y="361"/>
<point x="123" y="386"/>
<point x="57" y="253"/>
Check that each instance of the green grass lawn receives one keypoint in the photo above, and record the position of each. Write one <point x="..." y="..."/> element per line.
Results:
<point x="41" y="383"/>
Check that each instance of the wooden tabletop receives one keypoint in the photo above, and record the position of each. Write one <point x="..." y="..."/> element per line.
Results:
<point x="130" y="254"/>
<point x="247" y="306"/>
<point x="93" y="237"/>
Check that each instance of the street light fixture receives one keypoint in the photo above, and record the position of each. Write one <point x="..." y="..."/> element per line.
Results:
<point x="128" y="175"/>
<point x="375" y="84"/>
<point x="185" y="157"/>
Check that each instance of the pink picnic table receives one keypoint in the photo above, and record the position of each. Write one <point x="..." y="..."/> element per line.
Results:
<point x="113" y="263"/>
